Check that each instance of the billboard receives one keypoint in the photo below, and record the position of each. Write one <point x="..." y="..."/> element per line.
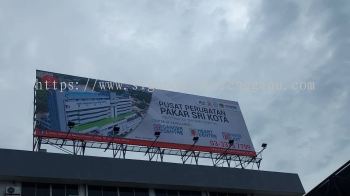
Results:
<point x="78" y="108"/>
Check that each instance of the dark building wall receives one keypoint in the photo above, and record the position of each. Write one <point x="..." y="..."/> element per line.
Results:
<point x="39" y="166"/>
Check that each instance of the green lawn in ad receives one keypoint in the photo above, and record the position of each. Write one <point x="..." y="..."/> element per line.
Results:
<point x="102" y="122"/>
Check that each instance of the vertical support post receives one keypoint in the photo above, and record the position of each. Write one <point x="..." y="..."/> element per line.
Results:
<point x="124" y="150"/>
<point x="34" y="116"/>
<point x="83" y="146"/>
<point x="240" y="162"/>
<point x="228" y="160"/>
<point x="39" y="144"/>
<point x="74" y="148"/>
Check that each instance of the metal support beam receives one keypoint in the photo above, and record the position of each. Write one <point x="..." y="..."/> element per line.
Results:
<point x="119" y="149"/>
<point x="189" y="156"/>
<point x="223" y="157"/>
<point x="154" y="151"/>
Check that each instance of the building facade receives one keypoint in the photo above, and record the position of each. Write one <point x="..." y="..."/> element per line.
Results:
<point x="29" y="173"/>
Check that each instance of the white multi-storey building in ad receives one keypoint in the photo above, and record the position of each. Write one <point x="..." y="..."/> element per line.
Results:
<point x="120" y="104"/>
<point x="84" y="107"/>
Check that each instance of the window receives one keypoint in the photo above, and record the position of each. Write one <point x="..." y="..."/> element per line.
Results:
<point x="226" y="194"/>
<point x="58" y="189"/>
<point x="95" y="191"/>
<point x="28" y="189"/>
<point x="237" y="194"/>
<point x="172" y="193"/>
<point x="161" y="192"/>
<point x="196" y="193"/>
<point x="126" y="192"/>
<point x="141" y="192"/>
<point x="110" y="191"/>
<point x="43" y="190"/>
<point x="190" y="193"/>
<point x="72" y="190"/>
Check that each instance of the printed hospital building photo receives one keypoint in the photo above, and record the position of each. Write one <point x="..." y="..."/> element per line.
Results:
<point x="92" y="112"/>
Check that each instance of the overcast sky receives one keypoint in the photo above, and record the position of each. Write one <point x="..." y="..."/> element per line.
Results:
<point x="236" y="50"/>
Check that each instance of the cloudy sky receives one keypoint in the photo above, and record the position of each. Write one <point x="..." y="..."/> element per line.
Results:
<point x="286" y="62"/>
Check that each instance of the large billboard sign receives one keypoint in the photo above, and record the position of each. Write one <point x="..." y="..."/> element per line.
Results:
<point x="78" y="108"/>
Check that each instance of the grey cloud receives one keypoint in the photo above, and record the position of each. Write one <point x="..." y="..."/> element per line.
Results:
<point x="315" y="122"/>
<point x="201" y="48"/>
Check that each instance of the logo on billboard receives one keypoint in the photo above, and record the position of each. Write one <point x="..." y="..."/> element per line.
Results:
<point x="209" y="104"/>
<point x="168" y="129"/>
<point x="194" y="133"/>
<point x="233" y="107"/>
<point x="203" y="133"/>
<point x="231" y="136"/>
<point x="201" y="102"/>
<point x="49" y="80"/>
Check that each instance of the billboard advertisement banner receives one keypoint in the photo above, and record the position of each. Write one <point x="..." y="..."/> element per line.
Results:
<point x="71" y="107"/>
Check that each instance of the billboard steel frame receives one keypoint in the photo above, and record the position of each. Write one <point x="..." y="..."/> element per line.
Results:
<point x="77" y="147"/>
